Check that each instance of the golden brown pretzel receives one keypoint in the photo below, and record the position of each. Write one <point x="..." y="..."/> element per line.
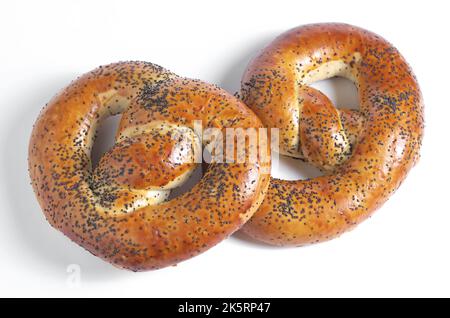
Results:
<point x="366" y="155"/>
<point x="117" y="211"/>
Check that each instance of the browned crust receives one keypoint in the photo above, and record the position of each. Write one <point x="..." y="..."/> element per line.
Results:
<point x="154" y="236"/>
<point x="309" y="211"/>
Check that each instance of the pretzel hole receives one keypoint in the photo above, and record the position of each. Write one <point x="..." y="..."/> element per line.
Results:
<point x="341" y="91"/>
<point x="290" y="168"/>
<point x="195" y="178"/>
<point x="105" y="138"/>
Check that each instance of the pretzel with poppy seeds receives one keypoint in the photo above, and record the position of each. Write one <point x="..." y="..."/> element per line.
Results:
<point x="365" y="154"/>
<point x="117" y="210"/>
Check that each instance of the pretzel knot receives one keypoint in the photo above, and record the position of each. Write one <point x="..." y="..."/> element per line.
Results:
<point x="144" y="165"/>
<point x="311" y="127"/>
<point x="326" y="135"/>
<point x="117" y="210"/>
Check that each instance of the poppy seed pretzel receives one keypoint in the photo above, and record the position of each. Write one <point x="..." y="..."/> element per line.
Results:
<point x="365" y="161"/>
<point x="117" y="210"/>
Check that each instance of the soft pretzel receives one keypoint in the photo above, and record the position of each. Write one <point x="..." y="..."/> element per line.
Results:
<point x="365" y="155"/>
<point x="117" y="210"/>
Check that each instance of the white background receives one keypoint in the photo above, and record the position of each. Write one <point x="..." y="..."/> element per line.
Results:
<point x="403" y="250"/>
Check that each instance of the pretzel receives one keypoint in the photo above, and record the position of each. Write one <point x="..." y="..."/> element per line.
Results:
<point x="365" y="155"/>
<point x="117" y="210"/>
